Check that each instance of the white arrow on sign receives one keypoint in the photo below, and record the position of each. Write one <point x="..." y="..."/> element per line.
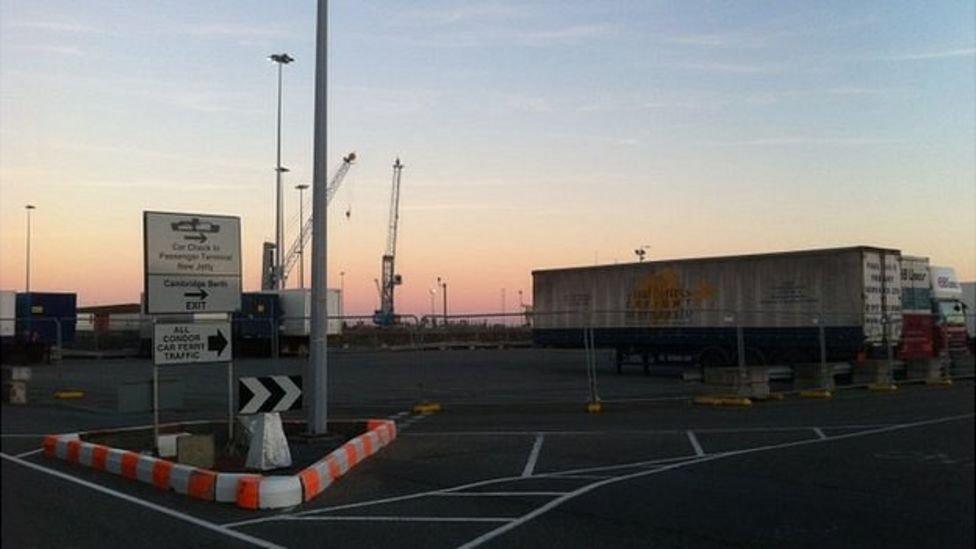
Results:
<point x="260" y="395"/>
<point x="292" y="392"/>
<point x="269" y="394"/>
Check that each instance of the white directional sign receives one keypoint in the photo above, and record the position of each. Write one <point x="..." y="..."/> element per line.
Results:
<point x="190" y="343"/>
<point x="192" y="263"/>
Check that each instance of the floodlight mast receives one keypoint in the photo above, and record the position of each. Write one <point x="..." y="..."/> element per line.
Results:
<point x="316" y="370"/>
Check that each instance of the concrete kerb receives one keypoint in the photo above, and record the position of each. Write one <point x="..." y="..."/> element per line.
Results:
<point x="248" y="491"/>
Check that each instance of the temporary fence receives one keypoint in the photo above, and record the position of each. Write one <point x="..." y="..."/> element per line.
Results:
<point x="554" y="356"/>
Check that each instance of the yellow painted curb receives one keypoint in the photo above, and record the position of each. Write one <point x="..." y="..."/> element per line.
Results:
<point x="69" y="394"/>
<point x="816" y="393"/>
<point x="939" y="382"/>
<point x="722" y="401"/>
<point x="427" y="408"/>
<point x="594" y="407"/>
<point x="883" y="387"/>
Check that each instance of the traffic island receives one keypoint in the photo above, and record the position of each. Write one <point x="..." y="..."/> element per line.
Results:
<point x="127" y="452"/>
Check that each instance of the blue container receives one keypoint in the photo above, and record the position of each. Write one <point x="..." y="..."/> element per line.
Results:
<point x="258" y="315"/>
<point x="37" y="313"/>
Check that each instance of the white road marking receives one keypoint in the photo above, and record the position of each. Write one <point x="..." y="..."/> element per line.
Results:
<point x="638" y="431"/>
<point x="164" y="510"/>
<point x="533" y="456"/>
<point x="665" y="468"/>
<point x="30" y="453"/>
<point x="584" y="477"/>
<point x="339" y="518"/>
<point x="572" y="472"/>
<point x="694" y="443"/>
<point x="499" y="494"/>
<point x="820" y="434"/>
<point x="429" y="493"/>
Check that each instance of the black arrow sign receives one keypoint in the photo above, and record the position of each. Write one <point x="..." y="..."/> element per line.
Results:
<point x="217" y="343"/>
<point x="269" y="394"/>
<point x="201" y="293"/>
<point x="200" y="237"/>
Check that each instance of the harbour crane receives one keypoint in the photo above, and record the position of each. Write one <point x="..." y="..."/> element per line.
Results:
<point x="385" y="315"/>
<point x="306" y="228"/>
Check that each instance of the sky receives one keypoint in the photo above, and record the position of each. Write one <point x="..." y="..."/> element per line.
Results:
<point x="534" y="134"/>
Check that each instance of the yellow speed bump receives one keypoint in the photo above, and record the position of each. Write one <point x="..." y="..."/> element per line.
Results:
<point x="723" y="401"/>
<point x="939" y="382"/>
<point x="69" y="394"/>
<point x="882" y="387"/>
<point x="427" y="408"/>
<point x="816" y="393"/>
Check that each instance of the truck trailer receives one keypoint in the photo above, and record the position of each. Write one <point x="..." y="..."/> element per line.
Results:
<point x="694" y="308"/>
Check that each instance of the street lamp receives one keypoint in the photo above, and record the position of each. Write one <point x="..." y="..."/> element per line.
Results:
<point x="281" y="59"/>
<point x="28" y="207"/>
<point x="301" y="234"/>
<point x="433" y="293"/>
<point x="443" y="286"/>
<point x="342" y="293"/>
<point x="641" y="252"/>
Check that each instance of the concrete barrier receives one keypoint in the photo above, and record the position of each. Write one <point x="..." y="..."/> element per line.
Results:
<point x="248" y="491"/>
<point x="813" y="376"/>
<point x="873" y="372"/>
<point x="754" y="384"/>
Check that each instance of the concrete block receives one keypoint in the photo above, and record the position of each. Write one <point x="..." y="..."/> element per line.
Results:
<point x="872" y="372"/>
<point x="167" y="444"/>
<point x="17" y="373"/>
<point x="15" y="392"/>
<point x="813" y="376"/>
<point x="196" y="450"/>
<point x="753" y="384"/>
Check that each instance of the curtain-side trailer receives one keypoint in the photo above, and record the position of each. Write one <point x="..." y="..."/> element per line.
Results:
<point x="693" y="307"/>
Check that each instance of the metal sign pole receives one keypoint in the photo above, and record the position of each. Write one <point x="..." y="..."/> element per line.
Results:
<point x="155" y="395"/>
<point x="230" y="401"/>
<point x="317" y="366"/>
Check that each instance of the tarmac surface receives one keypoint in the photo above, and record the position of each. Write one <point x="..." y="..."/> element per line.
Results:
<point x="514" y="461"/>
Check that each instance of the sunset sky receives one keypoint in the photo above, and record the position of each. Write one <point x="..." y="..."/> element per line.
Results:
<point x="534" y="134"/>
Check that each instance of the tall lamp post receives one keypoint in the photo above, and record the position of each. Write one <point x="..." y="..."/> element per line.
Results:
<point x="342" y="293"/>
<point x="28" y="208"/>
<point x="281" y="59"/>
<point x="443" y="286"/>
<point x="301" y="234"/>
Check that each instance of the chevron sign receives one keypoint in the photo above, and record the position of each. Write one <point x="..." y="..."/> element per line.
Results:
<point x="269" y="394"/>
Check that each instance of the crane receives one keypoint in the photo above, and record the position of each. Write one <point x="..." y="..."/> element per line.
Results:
<point x="385" y="316"/>
<point x="306" y="227"/>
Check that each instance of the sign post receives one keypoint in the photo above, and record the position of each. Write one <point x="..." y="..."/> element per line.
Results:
<point x="192" y="265"/>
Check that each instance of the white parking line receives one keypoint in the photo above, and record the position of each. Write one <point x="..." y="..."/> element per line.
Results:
<point x="820" y="434"/>
<point x="164" y="510"/>
<point x="713" y="457"/>
<point x="695" y="444"/>
<point x="498" y="494"/>
<point x="533" y="456"/>
<point x="639" y="431"/>
<point x="367" y="518"/>
<point x="29" y="453"/>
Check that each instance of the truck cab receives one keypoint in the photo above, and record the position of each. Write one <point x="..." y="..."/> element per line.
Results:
<point x="948" y="312"/>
